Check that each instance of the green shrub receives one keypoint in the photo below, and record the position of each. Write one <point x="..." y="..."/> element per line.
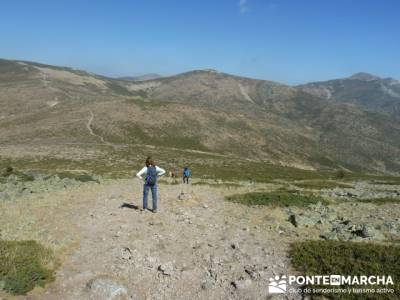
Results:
<point x="278" y="198"/>
<point x="380" y="201"/>
<point x="24" y="265"/>
<point x="8" y="171"/>
<point x="339" y="174"/>
<point x="322" y="184"/>
<point x="77" y="177"/>
<point x="348" y="259"/>
<point x="222" y="184"/>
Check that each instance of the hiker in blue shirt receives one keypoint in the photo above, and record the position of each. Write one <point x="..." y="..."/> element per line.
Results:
<point x="149" y="175"/>
<point x="186" y="175"/>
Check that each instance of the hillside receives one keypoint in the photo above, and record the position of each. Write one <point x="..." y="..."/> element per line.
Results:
<point x="372" y="92"/>
<point x="64" y="113"/>
<point x="140" y="77"/>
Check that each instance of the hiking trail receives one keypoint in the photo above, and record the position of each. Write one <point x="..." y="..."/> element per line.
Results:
<point x="89" y="127"/>
<point x="202" y="247"/>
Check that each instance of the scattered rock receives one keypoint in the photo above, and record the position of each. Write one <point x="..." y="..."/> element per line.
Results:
<point x="235" y="245"/>
<point x="106" y="288"/>
<point x="302" y="220"/>
<point x="166" y="269"/>
<point x="184" y="196"/>
<point x="251" y="271"/>
<point x="126" y="254"/>
<point x="368" y="231"/>
<point x="207" y="285"/>
<point x="241" y="284"/>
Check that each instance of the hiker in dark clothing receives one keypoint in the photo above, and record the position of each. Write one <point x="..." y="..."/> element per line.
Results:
<point x="149" y="175"/>
<point x="186" y="175"/>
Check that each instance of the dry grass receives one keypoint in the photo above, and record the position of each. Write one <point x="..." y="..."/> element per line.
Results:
<point x="24" y="265"/>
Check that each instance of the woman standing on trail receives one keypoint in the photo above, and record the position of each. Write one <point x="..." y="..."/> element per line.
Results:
<point x="149" y="175"/>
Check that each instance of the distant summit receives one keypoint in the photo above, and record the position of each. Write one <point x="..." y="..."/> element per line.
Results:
<point x="364" y="76"/>
<point x="144" y="77"/>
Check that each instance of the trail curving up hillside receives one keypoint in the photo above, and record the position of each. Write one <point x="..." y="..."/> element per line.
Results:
<point x="90" y="129"/>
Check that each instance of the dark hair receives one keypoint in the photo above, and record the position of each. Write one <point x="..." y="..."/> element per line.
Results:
<point x="149" y="161"/>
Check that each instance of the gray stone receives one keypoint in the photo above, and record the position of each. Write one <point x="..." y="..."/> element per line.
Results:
<point x="184" y="196"/>
<point x="166" y="269"/>
<point x="207" y="285"/>
<point x="4" y="196"/>
<point x="106" y="288"/>
<point x="242" y="284"/>
<point x="329" y="236"/>
<point x="302" y="220"/>
<point x="368" y="231"/>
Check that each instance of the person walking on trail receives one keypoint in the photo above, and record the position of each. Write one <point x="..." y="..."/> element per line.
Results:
<point x="186" y="175"/>
<point x="149" y="175"/>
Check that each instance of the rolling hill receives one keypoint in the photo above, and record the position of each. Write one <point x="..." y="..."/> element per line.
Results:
<point x="370" y="91"/>
<point x="205" y="111"/>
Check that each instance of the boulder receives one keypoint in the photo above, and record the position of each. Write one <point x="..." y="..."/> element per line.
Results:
<point x="368" y="231"/>
<point x="107" y="288"/>
<point x="302" y="220"/>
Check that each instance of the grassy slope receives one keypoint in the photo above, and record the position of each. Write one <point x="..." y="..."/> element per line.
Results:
<point x="25" y="264"/>
<point x="346" y="258"/>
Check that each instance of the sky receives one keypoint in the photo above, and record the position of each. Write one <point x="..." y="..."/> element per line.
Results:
<point x="289" y="41"/>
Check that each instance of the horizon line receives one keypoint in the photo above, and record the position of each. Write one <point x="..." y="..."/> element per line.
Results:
<point x="192" y="70"/>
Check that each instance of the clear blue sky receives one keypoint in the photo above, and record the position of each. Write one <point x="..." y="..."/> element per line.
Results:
<point x="291" y="41"/>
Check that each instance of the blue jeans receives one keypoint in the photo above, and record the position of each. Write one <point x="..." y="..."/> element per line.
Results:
<point x="146" y="189"/>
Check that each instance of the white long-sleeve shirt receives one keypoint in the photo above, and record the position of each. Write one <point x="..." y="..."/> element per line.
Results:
<point x="143" y="172"/>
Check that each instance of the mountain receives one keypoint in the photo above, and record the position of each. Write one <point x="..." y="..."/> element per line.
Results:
<point x="369" y="91"/>
<point x="140" y="77"/>
<point x="70" y="113"/>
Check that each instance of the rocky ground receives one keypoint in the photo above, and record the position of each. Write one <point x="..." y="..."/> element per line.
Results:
<point x="12" y="188"/>
<point x="364" y="190"/>
<point x="198" y="246"/>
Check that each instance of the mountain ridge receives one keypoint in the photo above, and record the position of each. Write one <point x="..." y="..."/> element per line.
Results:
<point x="200" y="110"/>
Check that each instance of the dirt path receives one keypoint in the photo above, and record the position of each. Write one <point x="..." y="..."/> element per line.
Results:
<point x="91" y="132"/>
<point x="89" y="127"/>
<point x="198" y="248"/>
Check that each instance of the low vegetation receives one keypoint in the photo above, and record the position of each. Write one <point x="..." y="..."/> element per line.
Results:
<point x="217" y="184"/>
<point x="322" y="184"/>
<point x="204" y="165"/>
<point x="25" y="176"/>
<point x="170" y="182"/>
<point x="380" y="201"/>
<point x="389" y="182"/>
<point x="277" y="198"/>
<point x="78" y="177"/>
<point x="10" y="171"/>
<point x="348" y="258"/>
<point x="24" y="265"/>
